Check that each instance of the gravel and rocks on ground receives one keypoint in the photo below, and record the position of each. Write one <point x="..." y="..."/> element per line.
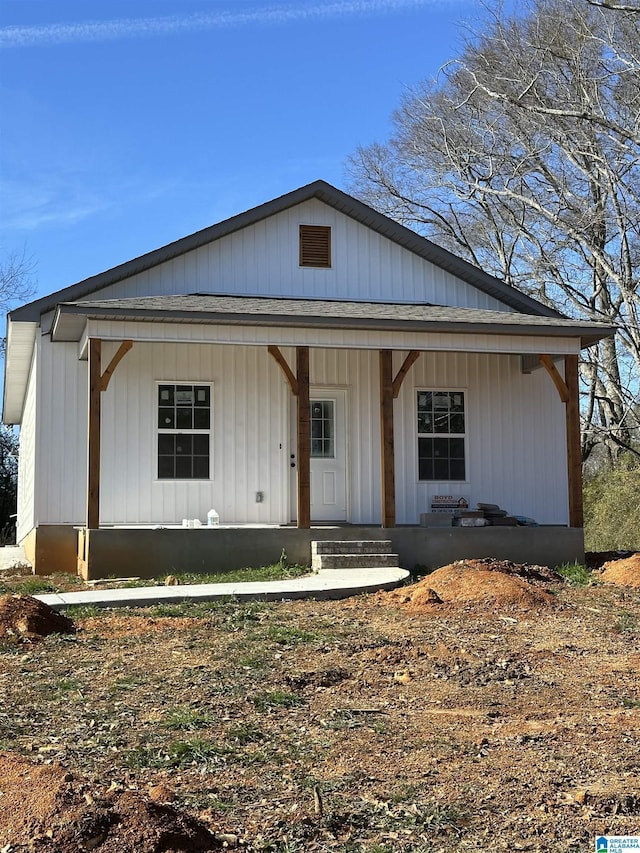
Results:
<point x="490" y="705"/>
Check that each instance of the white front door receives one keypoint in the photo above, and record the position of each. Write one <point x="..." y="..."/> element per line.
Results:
<point x="328" y="456"/>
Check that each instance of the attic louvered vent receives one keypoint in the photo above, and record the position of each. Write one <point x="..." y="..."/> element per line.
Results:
<point x="315" y="246"/>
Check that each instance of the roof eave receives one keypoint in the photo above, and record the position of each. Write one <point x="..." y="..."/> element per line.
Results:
<point x="17" y="366"/>
<point x="588" y="335"/>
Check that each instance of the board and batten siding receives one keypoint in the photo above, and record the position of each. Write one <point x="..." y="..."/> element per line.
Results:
<point x="26" y="508"/>
<point x="62" y="434"/>
<point x="515" y="437"/>
<point x="262" y="260"/>
<point x="516" y="453"/>
<point x="249" y="404"/>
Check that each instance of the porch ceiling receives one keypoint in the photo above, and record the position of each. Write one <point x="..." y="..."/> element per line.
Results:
<point x="70" y="318"/>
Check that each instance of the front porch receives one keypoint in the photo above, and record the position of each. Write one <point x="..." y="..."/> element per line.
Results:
<point x="409" y="411"/>
<point x="151" y="552"/>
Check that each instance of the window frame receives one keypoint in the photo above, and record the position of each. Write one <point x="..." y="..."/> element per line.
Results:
<point x="464" y="435"/>
<point x="327" y="440"/>
<point x="175" y="430"/>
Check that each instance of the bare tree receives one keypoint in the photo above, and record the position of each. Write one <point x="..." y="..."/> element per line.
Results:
<point x="620" y="7"/>
<point x="523" y="157"/>
<point x="16" y="285"/>
<point x="8" y="483"/>
<point x="16" y="282"/>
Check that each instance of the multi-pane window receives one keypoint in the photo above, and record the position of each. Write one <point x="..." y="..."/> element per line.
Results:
<point x="184" y="431"/>
<point x="322" y="429"/>
<point x="441" y="435"/>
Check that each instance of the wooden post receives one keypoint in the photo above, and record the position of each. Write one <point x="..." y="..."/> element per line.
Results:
<point x="98" y="382"/>
<point x="304" y="438"/>
<point x="386" y="439"/>
<point x="574" y="450"/>
<point x="569" y="392"/>
<point x="93" y="463"/>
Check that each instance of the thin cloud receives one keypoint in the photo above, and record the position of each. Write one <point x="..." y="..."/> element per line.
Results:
<point x="129" y="28"/>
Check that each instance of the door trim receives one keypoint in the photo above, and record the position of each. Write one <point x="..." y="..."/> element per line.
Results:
<point x="319" y="392"/>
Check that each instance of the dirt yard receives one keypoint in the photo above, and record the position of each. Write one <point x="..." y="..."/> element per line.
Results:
<point x="490" y="706"/>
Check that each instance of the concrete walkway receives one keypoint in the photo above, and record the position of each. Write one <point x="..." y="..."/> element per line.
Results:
<point x="12" y="555"/>
<point x="328" y="584"/>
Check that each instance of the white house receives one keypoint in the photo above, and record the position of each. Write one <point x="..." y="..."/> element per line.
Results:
<point x="307" y="361"/>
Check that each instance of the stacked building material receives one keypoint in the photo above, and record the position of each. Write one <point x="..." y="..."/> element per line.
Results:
<point x="496" y="516"/>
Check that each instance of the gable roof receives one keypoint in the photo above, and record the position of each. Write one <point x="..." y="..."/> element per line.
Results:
<point x="331" y="196"/>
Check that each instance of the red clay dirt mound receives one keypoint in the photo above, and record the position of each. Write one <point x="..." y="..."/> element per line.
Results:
<point x="622" y="572"/>
<point x="23" y="618"/>
<point x="45" y="808"/>
<point x="485" y="583"/>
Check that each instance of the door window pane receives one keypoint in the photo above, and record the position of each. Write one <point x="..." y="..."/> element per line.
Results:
<point x="322" y="429"/>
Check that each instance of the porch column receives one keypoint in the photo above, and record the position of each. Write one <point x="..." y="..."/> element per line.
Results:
<point x="304" y="437"/>
<point x="386" y="439"/>
<point x="574" y="449"/>
<point x="98" y="382"/>
<point x="93" y="465"/>
<point x="569" y="392"/>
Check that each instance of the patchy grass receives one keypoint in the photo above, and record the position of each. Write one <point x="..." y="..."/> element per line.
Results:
<point x="85" y="611"/>
<point x="576" y="574"/>
<point x="188" y="719"/>
<point x="23" y="582"/>
<point x="34" y="585"/>
<point x="282" y="570"/>
<point x="276" y="699"/>
<point x="242" y="709"/>
<point x="288" y="635"/>
<point x="627" y="623"/>
<point x="181" y="609"/>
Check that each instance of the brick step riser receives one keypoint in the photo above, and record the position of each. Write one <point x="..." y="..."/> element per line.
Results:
<point x="355" y="561"/>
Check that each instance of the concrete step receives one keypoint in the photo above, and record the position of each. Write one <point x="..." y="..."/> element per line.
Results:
<point x="354" y="561"/>
<point x="355" y="546"/>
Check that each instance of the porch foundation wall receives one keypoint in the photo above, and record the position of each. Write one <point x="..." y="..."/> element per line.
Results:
<point x="143" y="553"/>
<point x="52" y="549"/>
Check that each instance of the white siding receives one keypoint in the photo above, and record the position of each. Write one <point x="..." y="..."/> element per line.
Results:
<point x="62" y="435"/>
<point x="26" y="520"/>
<point x="516" y="446"/>
<point x="262" y="260"/>
<point x="249" y="407"/>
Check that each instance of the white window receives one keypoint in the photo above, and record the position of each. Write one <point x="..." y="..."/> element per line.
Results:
<point x="184" y="431"/>
<point x="441" y="435"/>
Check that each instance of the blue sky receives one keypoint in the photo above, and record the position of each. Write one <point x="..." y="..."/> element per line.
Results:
<point x="125" y="125"/>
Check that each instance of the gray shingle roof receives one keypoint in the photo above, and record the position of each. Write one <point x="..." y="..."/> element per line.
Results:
<point x="316" y="313"/>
